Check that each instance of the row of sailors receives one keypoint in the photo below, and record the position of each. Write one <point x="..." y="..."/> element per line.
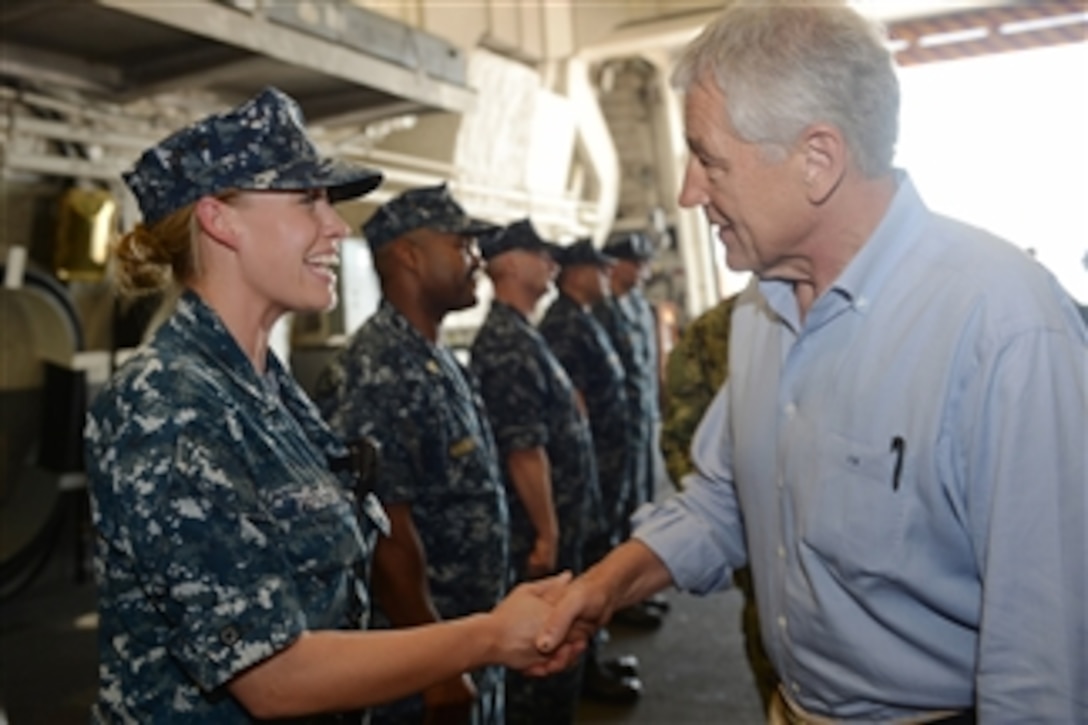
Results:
<point x="529" y="462"/>
<point x="239" y="538"/>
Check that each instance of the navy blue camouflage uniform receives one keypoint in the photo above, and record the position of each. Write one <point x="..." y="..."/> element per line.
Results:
<point x="437" y="455"/>
<point x="223" y="533"/>
<point x="531" y="403"/>
<point x="630" y="324"/>
<point x="582" y="346"/>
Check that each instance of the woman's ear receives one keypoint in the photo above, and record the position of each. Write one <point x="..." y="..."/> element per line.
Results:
<point x="217" y="220"/>
<point x="824" y="161"/>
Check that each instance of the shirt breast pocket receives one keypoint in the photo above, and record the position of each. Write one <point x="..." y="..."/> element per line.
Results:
<point x="466" y="465"/>
<point x="851" y="511"/>
<point x="316" y="529"/>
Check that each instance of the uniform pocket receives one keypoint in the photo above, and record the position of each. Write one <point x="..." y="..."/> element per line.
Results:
<point x="316" y="526"/>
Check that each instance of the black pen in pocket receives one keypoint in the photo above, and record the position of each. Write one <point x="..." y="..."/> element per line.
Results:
<point x="899" y="447"/>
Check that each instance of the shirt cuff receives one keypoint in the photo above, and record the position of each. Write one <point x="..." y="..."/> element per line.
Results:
<point x="217" y="643"/>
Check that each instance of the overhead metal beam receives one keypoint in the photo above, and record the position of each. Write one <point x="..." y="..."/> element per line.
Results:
<point x="105" y="169"/>
<point x="47" y="67"/>
<point x="233" y="27"/>
<point x="990" y="31"/>
<point x="208" y="59"/>
<point x="197" y="74"/>
<point x="67" y="132"/>
<point x="675" y="30"/>
<point x="13" y="10"/>
<point x="342" y="109"/>
<point x="364" y="116"/>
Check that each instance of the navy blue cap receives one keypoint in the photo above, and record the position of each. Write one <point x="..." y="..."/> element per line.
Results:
<point x="633" y="246"/>
<point x="259" y="145"/>
<point x="428" y="207"/>
<point x="582" y="252"/>
<point x="519" y="235"/>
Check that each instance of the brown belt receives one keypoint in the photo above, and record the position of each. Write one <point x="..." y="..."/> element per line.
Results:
<point x="963" y="717"/>
<point x="784" y="711"/>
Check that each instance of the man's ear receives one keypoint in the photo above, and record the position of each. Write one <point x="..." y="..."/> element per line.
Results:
<point x="217" y="221"/>
<point x="824" y="157"/>
<point x="408" y="254"/>
<point x="400" y="254"/>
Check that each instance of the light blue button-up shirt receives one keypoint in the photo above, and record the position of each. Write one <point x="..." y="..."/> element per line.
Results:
<point x="907" y="470"/>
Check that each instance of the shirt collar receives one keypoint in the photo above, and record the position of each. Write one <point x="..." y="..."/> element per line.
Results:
<point x="868" y="272"/>
<point x="392" y="317"/>
<point x="199" y="324"/>
<point x="508" y="310"/>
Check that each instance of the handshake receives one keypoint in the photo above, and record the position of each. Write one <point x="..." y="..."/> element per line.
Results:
<point x="543" y="626"/>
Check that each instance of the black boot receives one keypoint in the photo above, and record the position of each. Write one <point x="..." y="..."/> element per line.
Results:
<point x="602" y="685"/>
<point x="622" y="666"/>
<point x="657" y="603"/>
<point x="638" y="616"/>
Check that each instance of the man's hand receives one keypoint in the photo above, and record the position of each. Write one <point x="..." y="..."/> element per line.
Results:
<point x="542" y="559"/>
<point x="516" y="624"/>
<point x="582" y="609"/>
<point x="530" y="472"/>
<point x="629" y="574"/>
<point x="449" y="702"/>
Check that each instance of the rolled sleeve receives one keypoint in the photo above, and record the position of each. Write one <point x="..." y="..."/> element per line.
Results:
<point x="521" y="437"/>
<point x="214" y="571"/>
<point x="699" y="534"/>
<point x="215" y="643"/>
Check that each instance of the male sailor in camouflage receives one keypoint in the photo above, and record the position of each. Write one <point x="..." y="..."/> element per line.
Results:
<point x="697" y="367"/>
<point x="582" y="346"/>
<point x="438" y="475"/>
<point x="544" y="442"/>
<point x="629" y="320"/>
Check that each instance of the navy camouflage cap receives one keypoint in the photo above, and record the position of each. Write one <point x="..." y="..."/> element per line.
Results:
<point x="258" y="146"/>
<point x="428" y="207"/>
<point x="582" y="252"/>
<point x="519" y="235"/>
<point x="633" y="246"/>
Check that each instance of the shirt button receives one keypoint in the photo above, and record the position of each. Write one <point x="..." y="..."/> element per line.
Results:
<point x="229" y="635"/>
<point x="791" y="410"/>
<point x="795" y="687"/>
<point x="781" y="481"/>
<point x="782" y="622"/>
<point x="781" y="552"/>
